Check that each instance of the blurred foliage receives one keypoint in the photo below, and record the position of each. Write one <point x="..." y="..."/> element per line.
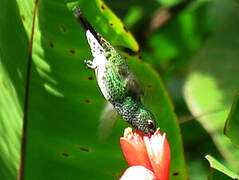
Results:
<point x="218" y="166"/>
<point x="192" y="44"/>
<point x="232" y="125"/>
<point x="169" y="46"/>
<point x="197" y="144"/>
<point x="212" y="80"/>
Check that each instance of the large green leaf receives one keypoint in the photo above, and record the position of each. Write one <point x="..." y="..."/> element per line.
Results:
<point x="212" y="81"/>
<point x="232" y="124"/>
<point x="13" y="57"/>
<point x="64" y="100"/>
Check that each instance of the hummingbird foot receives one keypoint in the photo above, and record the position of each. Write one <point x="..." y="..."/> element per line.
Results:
<point x="89" y="64"/>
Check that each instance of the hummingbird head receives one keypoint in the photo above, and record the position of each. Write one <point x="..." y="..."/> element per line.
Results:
<point x="145" y="121"/>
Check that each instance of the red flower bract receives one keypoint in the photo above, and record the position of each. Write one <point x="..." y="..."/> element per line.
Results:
<point x="150" y="154"/>
<point x="134" y="149"/>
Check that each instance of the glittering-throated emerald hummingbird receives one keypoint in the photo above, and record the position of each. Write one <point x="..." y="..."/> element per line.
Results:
<point x="116" y="81"/>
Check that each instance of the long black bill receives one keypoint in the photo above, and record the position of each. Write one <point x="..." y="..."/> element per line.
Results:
<point x="84" y="22"/>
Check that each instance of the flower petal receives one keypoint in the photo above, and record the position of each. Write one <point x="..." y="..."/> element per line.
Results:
<point x="139" y="173"/>
<point x="159" y="154"/>
<point x="134" y="150"/>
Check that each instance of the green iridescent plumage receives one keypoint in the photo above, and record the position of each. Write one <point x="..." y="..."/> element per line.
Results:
<point x="115" y="80"/>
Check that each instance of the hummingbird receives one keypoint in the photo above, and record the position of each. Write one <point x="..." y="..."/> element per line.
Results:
<point x="115" y="80"/>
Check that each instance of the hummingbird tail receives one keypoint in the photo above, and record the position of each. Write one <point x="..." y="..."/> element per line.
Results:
<point x="94" y="39"/>
<point x="84" y="22"/>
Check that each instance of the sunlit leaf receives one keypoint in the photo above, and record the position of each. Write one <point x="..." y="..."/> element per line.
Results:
<point x="232" y="124"/>
<point x="220" y="167"/>
<point x="13" y="57"/>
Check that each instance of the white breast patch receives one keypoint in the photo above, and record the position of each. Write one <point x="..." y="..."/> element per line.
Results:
<point x="99" y="61"/>
<point x="96" y="48"/>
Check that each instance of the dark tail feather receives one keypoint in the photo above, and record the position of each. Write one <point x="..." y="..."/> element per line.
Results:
<point x="84" y="22"/>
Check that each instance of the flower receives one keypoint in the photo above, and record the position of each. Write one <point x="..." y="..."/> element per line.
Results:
<point x="139" y="173"/>
<point x="148" y="156"/>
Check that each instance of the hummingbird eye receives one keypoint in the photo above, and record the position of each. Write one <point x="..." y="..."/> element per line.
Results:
<point x="151" y="124"/>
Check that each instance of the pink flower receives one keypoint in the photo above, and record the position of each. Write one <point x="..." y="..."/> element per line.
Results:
<point x="148" y="156"/>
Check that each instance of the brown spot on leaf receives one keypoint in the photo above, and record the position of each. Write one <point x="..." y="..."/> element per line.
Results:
<point x="112" y="24"/>
<point x="51" y="44"/>
<point x="150" y="86"/>
<point x="62" y="28"/>
<point x="126" y="29"/>
<point x="176" y="173"/>
<point x="90" y="78"/>
<point x="4" y="85"/>
<point x="72" y="51"/>
<point x="23" y="17"/>
<point x="87" y="101"/>
<point x="65" y="154"/>
<point x="84" y="149"/>
<point x="102" y="7"/>
<point x="140" y="57"/>
<point x="115" y="173"/>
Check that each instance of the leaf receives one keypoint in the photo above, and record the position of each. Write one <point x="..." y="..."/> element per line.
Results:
<point x="65" y="102"/>
<point x="221" y="168"/>
<point x="212" y="80"/>
<point x="13" y="60"/>
<point x="231" y="127"/>
<point x="217" y="175"/>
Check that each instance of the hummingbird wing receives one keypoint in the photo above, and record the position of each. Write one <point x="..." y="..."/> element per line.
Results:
<point x="132" y="86"/>
<point x="107" y="120"/>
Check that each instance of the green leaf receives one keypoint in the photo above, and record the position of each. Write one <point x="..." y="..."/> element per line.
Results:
<point x="221" y="168"/>
<point x="13" y="57"/>
<point x="231" y="127"/>
<point x="217" y="175"/>
<point x="65" y="102"/>
<point x="212" y="80"/>
<point x="106" y="23"/>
